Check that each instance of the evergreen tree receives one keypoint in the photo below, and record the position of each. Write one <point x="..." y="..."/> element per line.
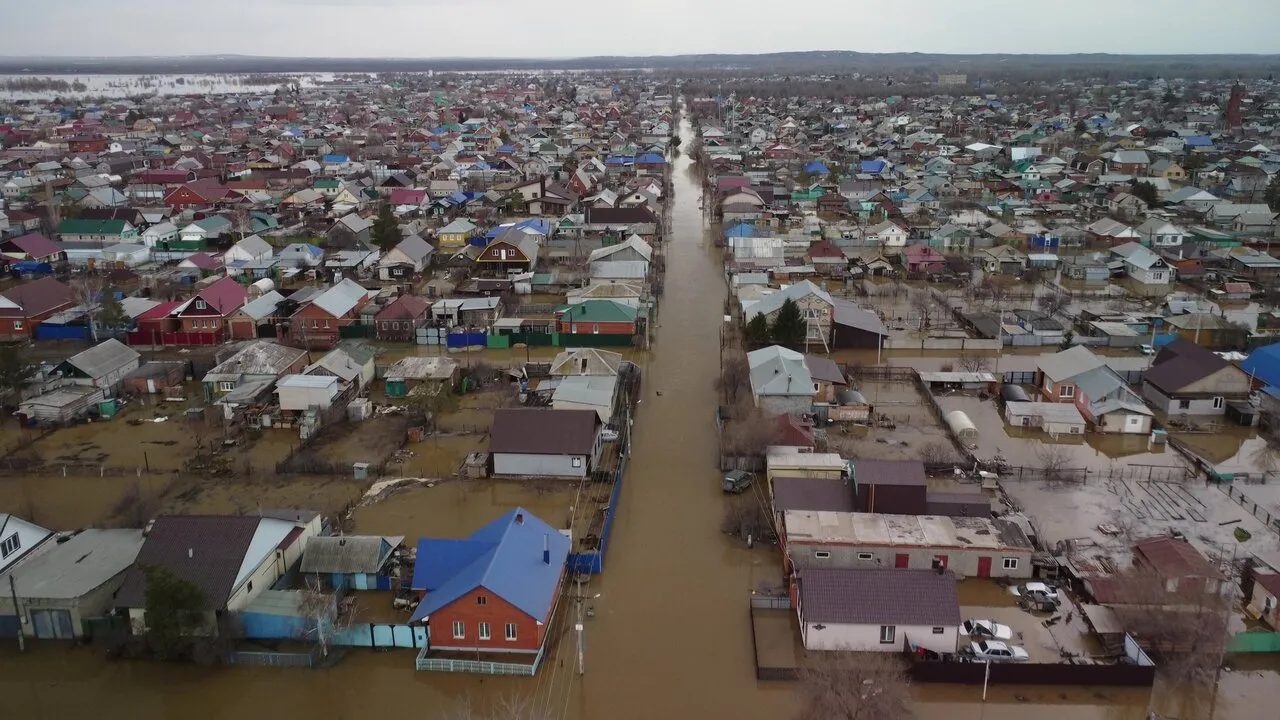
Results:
<point x="789" y="328"/>
<point x="758" y="331"/>
<point x="174" y="608"/>
<point x="385" y="232"/>
<point x="1145" y="192"/>
<point x="111" y="312"/>
<point x="1272" y="195"/>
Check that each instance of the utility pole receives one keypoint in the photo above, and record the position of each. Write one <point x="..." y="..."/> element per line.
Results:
<point x="13" y="593"/>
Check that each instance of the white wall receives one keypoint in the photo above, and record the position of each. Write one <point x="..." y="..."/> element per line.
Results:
<point x="539" y="465"/>
<point x="866" y="638"/>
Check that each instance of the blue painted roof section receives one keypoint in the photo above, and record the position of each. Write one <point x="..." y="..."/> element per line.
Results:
<point x="433" y="145"/>
<point x="742" y="230"/>
<point x="482" y="165"/>
<point x="335" y="159"/>
<point x="458" y="197"/>
<point x="651" y="159"/>
<point x="1199" y="141"/>
<point x="542" y="226"/>
<point x="506" y="149"/>
<point x="618" y="160"/>
<point x="871" y="166"/>
<point x="1264" y="364"/>
<point x="816" y="168"/>
<point x="504" y="557"/>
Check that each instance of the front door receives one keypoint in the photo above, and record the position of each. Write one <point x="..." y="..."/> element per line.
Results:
<point x="984" y="567"/>
<point x="901" y="560"/>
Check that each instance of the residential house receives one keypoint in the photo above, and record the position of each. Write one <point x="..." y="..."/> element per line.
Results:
<point x="1264" y="601"/>
<point x="1180" y="567"/>
<point x="1105" y="400"/>
<point x="100" y="232"/>
<point x="1130" y="162"/>
<point x="400" y="319"/>
<point x="296" y="393"/>
<point x="1003" y="259"/>
<point x="351" y="362"/>
<point x="816" y="306"/>
<point x="202" y="233"/>
<point x="598" y="317"/>
<point x="1126" y="205"/>
<point x="231" y="558"/>
<point x="257" y="362"/>
<point x="1188" y="379"/>
<point x="513" y="251"/>
<point x="406" y="260"/>
<point x="628" y="260"/>
<point x="877" y="609"/>
<point x="827" y="377"/>
<point x="67" y="584"/>
<point x="585" y="392"/>
<point x="160" y="235"/>
<point x="1144" y="266"/>
<point x="477" y="312"/>
<point x="104" y="365"/>
<point x="256" y="318"/>
<point x="887" y="235"/>
<point x="208" y="310"/>
<point x="537" y="442"/>
<point x="1111" y="232"/>
<point x="23" y="307"/>
<point x="33" y="247"/>
<point x="456" y="234"/>
<point x="354" y="562"/>
<point x="18" y="538"/>
<point x="586" y="361"/>
<point x="1160" y="234"/>
<point x="248" y="250"/>
<point x="922" y="259"/>
<point x="438" y="374"/>
<point x="319" y="322"/>
<point x="496" y="591"/>
<point x="301" y="255"/>
<point x="1208" y="329"/>
<point x="780" y="380"/>
<point x="350" y="232"/>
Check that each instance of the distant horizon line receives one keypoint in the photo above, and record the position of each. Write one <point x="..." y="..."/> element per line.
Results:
<point x="552" y="58"/>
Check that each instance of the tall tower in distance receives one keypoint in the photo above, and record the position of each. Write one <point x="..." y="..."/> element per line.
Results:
<point x="1234" y="103"/>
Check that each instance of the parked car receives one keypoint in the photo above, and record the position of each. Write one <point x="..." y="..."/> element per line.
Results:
<point x="987" y="629"/>
<point x="1037" y="601"/>
<point x="1146" y="349"/>
<point x="1023" y="589"/>
<point x="609" y="434"/>
<point x="996" y="651"/>
<point x="737" y="481"/>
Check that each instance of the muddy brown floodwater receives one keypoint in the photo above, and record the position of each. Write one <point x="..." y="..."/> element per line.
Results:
<point x="670" y="637"/>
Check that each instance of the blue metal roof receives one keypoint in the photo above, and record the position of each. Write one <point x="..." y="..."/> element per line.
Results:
<point x="816" y="168"/>
<point x="742" y="230"/>
<point x="506" y="149"/>
<point x="1264" y="364"/>
<point x="618" y="160"/>
<point x="504" y="557"/>
<point x="651" y="159"/>
<point x="871" y="166"/>
<point x="335" y="159"/>
<point x="1199" y="141"/>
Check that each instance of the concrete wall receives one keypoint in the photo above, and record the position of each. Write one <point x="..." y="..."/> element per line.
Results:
<point x="540" y="465"/>
<point x="866" y="638"/>
<point x="1166" y="404"/>
<point x="962" y="561"/>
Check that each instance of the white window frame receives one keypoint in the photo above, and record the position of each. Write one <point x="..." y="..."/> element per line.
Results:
<point x="1010" y="563"/>
<point x="17" y="324"/>
<point x="11" y="545"/>
<point x="226" y="386"/>
<point x="822" y="554"/>
<point x="459" y="630"/>
<point x="888" y="634"/>
<point x="509" y="632"/>
<point x="201" y="305"/>
<point x="483" y="633"/>
<point x="576" y="462"/>
<point x="866" y="556"/>
<point x="1067" y="391"/>
<point x="1219" y="402"/>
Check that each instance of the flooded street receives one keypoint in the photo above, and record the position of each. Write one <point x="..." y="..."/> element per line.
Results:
<point x="671" y="633"/>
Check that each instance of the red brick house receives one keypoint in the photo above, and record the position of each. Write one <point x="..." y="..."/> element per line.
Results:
<point x="399" y="321"/>
<point x="87" y="144"/>
<point x="318" y="323"/>
<point x="208" y="310"/>
<point x="512" y="251"/>
<point x="197" y="194"/>
<point x="495" y="591"/>
<point x="24" y="307"/>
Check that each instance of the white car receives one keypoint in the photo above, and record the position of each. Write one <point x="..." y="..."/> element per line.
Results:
<point x="996" y="651"/>
<point x="609" y="435"/>
<point x="1050" y="591"/>
<point x="987" y="629"/>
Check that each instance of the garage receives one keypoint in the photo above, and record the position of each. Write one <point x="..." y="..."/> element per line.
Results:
<point x="52" y="624"/>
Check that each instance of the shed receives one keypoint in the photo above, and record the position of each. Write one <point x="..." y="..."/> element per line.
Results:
<point x="961" y="425"/>
<point x="161" y="377"/>
<point x="1053" y="418"/>
<point x="299" y="392"/>
<point x="60" y="406"/>
<point x="104" y="365"/>
<point x="358" y="562"/>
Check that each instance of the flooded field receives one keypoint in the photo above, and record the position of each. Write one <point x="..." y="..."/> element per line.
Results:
<point x="89" y="85"/>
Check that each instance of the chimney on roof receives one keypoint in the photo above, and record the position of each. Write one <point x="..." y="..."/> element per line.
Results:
<point x="546" y="550"/>
<point x="519" y="518"/>
<point x="191" y="552"/>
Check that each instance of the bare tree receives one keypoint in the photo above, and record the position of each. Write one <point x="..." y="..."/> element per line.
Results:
<point x="972" y="362"/>
<point x="748" y="432"/>
<point x="855" y="686"/>
<point x="87" y="291"/>
<point x="744" y="517"/>
<point x="1053" y="463"/>
<point x="1053" y="303"/>
<point x="326" y="614"/>
<point x="938" y="454"/>
<point x="734" y="380"/>
<point x="508" y="706"/>
<point x="923" y="305"/>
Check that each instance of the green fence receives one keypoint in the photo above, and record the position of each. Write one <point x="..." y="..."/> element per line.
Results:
<point x="1255" y="642"/>
<point x="592" y="340"/>
<point x="355" y="331"/>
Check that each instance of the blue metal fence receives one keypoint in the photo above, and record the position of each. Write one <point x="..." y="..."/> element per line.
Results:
<point x="461" y="340"/>
<point x="592" y="561"/>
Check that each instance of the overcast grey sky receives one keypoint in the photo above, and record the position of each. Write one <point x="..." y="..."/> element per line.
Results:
<point x="571" y="28"/>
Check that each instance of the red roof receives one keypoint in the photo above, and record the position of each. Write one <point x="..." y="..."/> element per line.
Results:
<point x="205" y="261"/>
<point x="226" y="295"/>
<point x="164" y="309"/>
<point x="38" y="297"/>
<point x="35" y="245"/>
<point x="408" y="197"/>
<point x="405" y="307"/>
<point x="1174" y="558"/>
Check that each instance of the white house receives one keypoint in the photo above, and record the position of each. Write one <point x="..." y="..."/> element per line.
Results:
<point x="249" y="249"/>
<point x="628" y="260"/>
<point x="299" y="392"/>
<point x="1143" y="265"/>
<point x="18" y="538"/>
<point x="877" y="609"/>
<point x="888" y="235"/>
<point x="408" y="258"/>
<point x="1157" y="233"/>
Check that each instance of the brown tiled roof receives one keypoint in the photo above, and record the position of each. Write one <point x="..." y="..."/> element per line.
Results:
<point x="540" y="431"/>
<point x="889" y="472"/>
<point x="206" y="550"/>
<point x="813" y="494"/>
<point x="1181" y="363"/>
<point x="878" y="596"/>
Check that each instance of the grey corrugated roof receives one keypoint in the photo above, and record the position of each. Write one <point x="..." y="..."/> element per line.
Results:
<point x="1069" y="363"/>
<point x="72" y="568"/>
<point x="347" y="554"/>
<point x="263" y="306"/>
<point x="879" y="596"/>
<point x="341" y="298"/>
<point x="775" y="370"/>
<point x="258" y="358"/>
<point x="105" y="357"/>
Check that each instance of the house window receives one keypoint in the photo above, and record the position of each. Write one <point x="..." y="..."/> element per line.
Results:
<point x="577" y="462"/>
<point x="511" y="631"/>
<point x="1067" y="391"/>
<point x="17" y="324"/>
<point x="1157" y="276"/>
<point x="385" y="325"/>
<point x="865" y="556"/>
<point x="200" y="305"/>
<point x="1184" y="404"/>
<point x="939" y="631"/>
<point x="326" y="324"/>
<point x="10" y="545"/>
<point x="315" y="323"/>
<point x="459" y="630"/>
<point x="482" y="600"/>
<point x="484" y="631"/>
<point x="250" y="586"/>
<point x="226" y="386"/>
<point x="887" y="633"/>
<point x="595" y="328"/>
<point x="1218" y="402"/>
<point x="822" y="554"/>
<point x="1011" y="563"/>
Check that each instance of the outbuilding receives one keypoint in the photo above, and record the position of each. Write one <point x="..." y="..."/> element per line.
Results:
<point x="1053" y="418"/>
<point x="104" y="365"/>
<point x="299" y="392"/>
<point x="961" y="425"/>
